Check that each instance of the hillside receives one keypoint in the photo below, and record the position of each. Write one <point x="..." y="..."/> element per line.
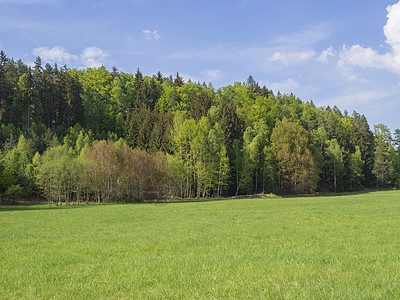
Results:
<point x="69" y="135"/>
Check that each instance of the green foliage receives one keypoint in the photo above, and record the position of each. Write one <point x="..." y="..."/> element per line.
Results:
<point x="59" y="174"/>
<point x="335" y="164"/>
<point x="296" y="168"/>
<point x="17" y="164"/>
<point x="383" y="166"/>
<point x="168" y="99"/>
<point x="8" y="178"/>
<point x="27" y="103"/>
<point x="14" y="192"/>
<point x="270" y="196"/>
<point x="222" y="138"/>
<point x="200" y="148"/>
<point x="356" y="168"/>
<point x="254" y="157"/>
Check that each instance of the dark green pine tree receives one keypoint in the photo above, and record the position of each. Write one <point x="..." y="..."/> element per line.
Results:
<point x="362" y="136"/>
<point x="138" y="127"/>
<point x="145" y="129"/>
<point x="57" y="97"/>
<point x="200" y="104"/>
<point x="21" y="68"/>
<point x="47" y="96"/>
<point x="229" y="122"/>
<point x="383" y="167"/>
<point x="232" y="128"/>
<point x="27" y="101"/>
<point x="331" y="121"/>
<point x="71" y="88"/>
<point x="131" y="127"/>
<point x="157" y="134"/>
<point x="167" y="126"/>
<point x="264" y="92"/>
<point x="114" y="72"/>
<point x="140" y="90"/>
<point x="3" y="84"/>
<point x="178" y="81"/>
<point x="152" y="93"/>
<point x="396" y="141"/>
<point x="159" y="77"/>
<point x="253" y="85"/>
<point x="37" y="69"/>
<point x="8" y="83"/>
<point x="160" y="139"/>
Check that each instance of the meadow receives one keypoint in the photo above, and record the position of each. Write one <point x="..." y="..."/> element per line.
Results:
<point x="345" y="246"/>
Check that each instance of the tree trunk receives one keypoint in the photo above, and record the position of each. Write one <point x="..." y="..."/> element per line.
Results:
<point x="198" y="187"/>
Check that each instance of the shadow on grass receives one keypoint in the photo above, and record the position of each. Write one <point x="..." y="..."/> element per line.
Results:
<point x="259" y="197"/>
<point x="330" y="194"/>
<point x="333" y="194"/>
<point x="25" y="205"/>
<point x="36" y="206"/>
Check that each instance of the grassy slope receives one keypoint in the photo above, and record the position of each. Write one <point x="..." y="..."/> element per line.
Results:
<point x="323" y="247"/>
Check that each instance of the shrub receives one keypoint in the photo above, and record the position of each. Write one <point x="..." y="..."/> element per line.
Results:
<point x="14" y="192"/>
<point x="270" y="196"/>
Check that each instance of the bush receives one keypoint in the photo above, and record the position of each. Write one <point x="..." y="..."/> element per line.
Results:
<point x="270" y="196"/>
<point x="14" y="192"/>
<point x="7" y="179"/>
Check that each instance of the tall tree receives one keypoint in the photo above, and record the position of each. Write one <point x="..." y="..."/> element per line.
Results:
<point x="178" y="81"/>
<point x="27" y="101"/>
<point x="296" y="168"/>
<point x="356" y="169"/>
<point x="383" y="166"/>
<point x="335" y="163"/>
<point x="362" y="136"/>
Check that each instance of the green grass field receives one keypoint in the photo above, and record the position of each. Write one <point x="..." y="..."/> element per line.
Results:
<point x="344" y="247"/>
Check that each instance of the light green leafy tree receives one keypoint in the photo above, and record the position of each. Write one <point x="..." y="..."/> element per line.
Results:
<point x="383" y="166"/>
<point x="18" y="160"/>
<point x="254" y="158"/>
<point x="296" y="167"/>
<point x="336" y="165"/>
<point x="60" y="175"/>
<point x="356" y="165"/>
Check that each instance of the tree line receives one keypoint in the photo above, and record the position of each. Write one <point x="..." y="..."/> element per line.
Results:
<point x="109" y="136"/>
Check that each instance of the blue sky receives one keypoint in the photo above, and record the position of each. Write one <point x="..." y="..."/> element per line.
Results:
<point x="344" y="53"/>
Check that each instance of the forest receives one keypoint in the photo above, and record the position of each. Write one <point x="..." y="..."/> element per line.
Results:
<point x="73" y="136"/>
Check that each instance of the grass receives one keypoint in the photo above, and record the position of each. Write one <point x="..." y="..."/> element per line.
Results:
<point x="343" y="247"/>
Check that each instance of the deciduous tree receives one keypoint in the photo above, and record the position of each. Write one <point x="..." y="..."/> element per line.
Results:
<point x="296" y="168"/>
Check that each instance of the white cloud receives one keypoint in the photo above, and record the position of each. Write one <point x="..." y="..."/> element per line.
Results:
<point x="213" y="75"/>
<point x="256" y="56"/>
<point x="309" y="36"/>
<point x="349" y="75"/>
<point x="286" y="86"/>
<point x="324" y="57"/>
<point x="392" y="29"/>
<point x="55" y="55"/>
<point x="187" y="77"/>
<point x="352" y="99"/>
<point x="359" y="56"/>
<point x="152" y="35"/>
<point x="91" y="57"/>
<point x="292" y="57"/>
<point x="205" y="76"/>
